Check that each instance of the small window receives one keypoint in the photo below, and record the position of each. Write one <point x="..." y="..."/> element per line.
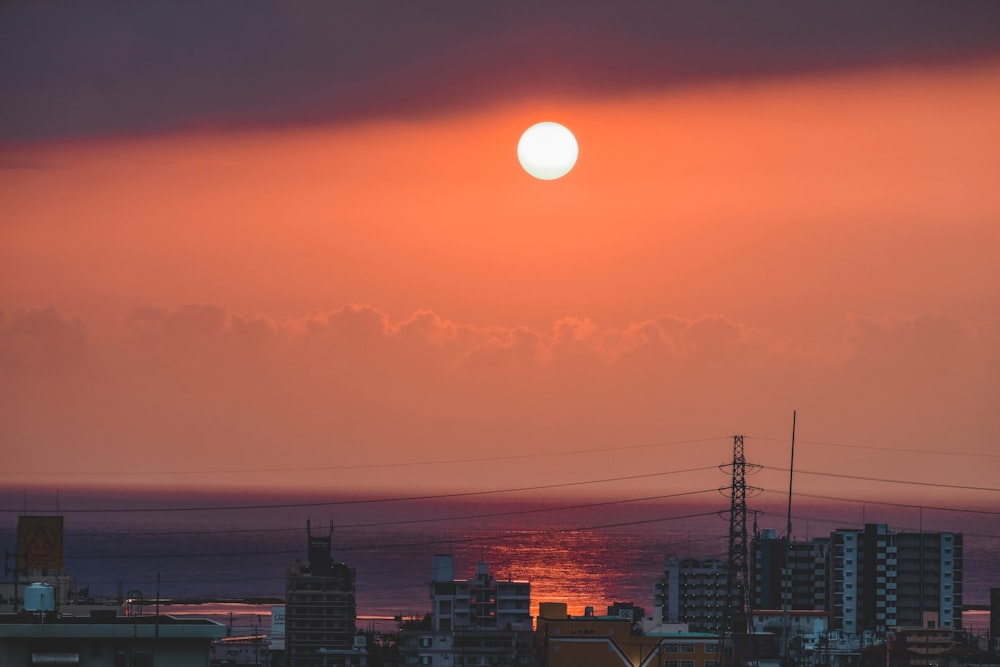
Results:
<point x="670" y="648"/>
<point x="687" y="663"/>
<point x="687" y="648"/>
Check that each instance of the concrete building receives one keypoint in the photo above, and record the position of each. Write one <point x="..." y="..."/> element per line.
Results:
<point x="870" y="579"/>
<point x="926" y="645"/>
<point x="627" y="610"/>
<point x="880" y="579"/>
<point x="800" y="635"/>
<point x="793" y="572"/>
<point x="692" y="591"/>
<point x="929" y="578"/>
<point x="481" y="602"/>
<point x="612" y="641"/>
<point x="104" y="639"/>
<point x="478" y="621"/>
<point x="320" y="609"/>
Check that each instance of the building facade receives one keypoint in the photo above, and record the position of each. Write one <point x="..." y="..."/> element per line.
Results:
<point x="480" y="602"/>
<point x="792" y="574"/>
<point x="926" y="645"/>
<point x="929" y="578"/>
<point x="870" y="579"/>
<point x="320" y="609"/>
<point x="613" y="641"/>
<point x="692" y="591"/>
<point x="473" y="622"/>
<point x="103" y="638"/>
<point x="881" y="579"/>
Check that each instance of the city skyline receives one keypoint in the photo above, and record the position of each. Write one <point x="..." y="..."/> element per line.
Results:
<point x="291" y="248"/>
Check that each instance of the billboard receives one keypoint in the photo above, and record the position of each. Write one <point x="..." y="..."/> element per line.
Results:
<point x="277" y="640"/>
<point x="40" y="543"/>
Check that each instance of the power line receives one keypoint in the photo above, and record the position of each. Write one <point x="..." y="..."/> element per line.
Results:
<point x="881" y="449"/>
<point x="327" y="503"/>
<point x="887" y="503"/>
<point x="360" y="466"/>
<point x="403" y="522"/>
<point x="894" y="526"/>
<point x="884" y="480"/>
<point x="368" y="547"/>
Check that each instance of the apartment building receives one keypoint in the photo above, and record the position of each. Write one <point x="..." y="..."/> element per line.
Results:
<point x="480" y="602"/>
<point x="320" y="609"/>
<point x="692" y="591"/>
<point x="870" y="579"/>
<point x="474" y="622"/>
<point x="790" y="574"/>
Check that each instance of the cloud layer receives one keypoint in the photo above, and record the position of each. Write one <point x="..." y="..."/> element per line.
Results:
<point x="112" y="68"/>
<point x="201" y="389"/>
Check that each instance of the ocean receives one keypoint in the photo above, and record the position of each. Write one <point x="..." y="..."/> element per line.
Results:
<point x="587" y="552"/>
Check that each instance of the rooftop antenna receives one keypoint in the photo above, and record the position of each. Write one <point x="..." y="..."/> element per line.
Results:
<point x="786" y="584"/>
<point x="791" y="471"/>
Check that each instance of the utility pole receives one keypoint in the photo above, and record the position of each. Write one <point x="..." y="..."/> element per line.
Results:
<point x="16" y="555"/>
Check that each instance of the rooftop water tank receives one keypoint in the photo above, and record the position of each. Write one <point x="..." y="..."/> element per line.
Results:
<point x="39" y="598"/>
<point x="444" y="568"/>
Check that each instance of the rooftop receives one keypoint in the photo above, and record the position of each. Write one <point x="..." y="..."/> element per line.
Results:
<point x="107" y="625"/>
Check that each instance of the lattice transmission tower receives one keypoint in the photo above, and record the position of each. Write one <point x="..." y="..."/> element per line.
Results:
<point x="736" y="622"/>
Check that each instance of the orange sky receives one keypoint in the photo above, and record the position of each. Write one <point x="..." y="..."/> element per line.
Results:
<point x="317" y="301"/>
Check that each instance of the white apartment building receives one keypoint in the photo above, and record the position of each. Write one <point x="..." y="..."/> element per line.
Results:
<point x="694" y="592"/>
<point x="880" y="579"/>
<point x="481" y="602"/>
<point x="474" y="622"/>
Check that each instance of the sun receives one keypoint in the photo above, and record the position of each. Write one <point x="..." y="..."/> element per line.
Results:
<point x="547" y="150"/>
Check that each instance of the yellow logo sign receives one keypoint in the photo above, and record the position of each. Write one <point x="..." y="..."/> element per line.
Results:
<point x="40" y="542"/>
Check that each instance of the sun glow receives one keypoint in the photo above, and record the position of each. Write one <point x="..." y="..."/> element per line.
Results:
<point x="547" y="151"/>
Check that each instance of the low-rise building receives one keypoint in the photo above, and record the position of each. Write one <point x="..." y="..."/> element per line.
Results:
<point x="104" y="639"/>
<point x="800" y="634"/>
<point x="473" y="622"/>
<point x="921" y="647"/>
<point x="562" y="640"/>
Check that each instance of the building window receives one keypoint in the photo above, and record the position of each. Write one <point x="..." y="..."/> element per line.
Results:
<point x="687" y="663"/>
<point x="687" y="648"/>
<point x="670" y="648"/>
<point x="671" y="663"/>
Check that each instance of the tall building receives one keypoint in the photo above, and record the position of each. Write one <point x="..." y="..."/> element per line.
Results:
<point x="320" y="609"/>
<point x="793" y="572"/>
<point x="929" y="578"/>
<point x="692" y="591"/>
<point x="870" y="579"/>
<point x="881" y="579"/>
